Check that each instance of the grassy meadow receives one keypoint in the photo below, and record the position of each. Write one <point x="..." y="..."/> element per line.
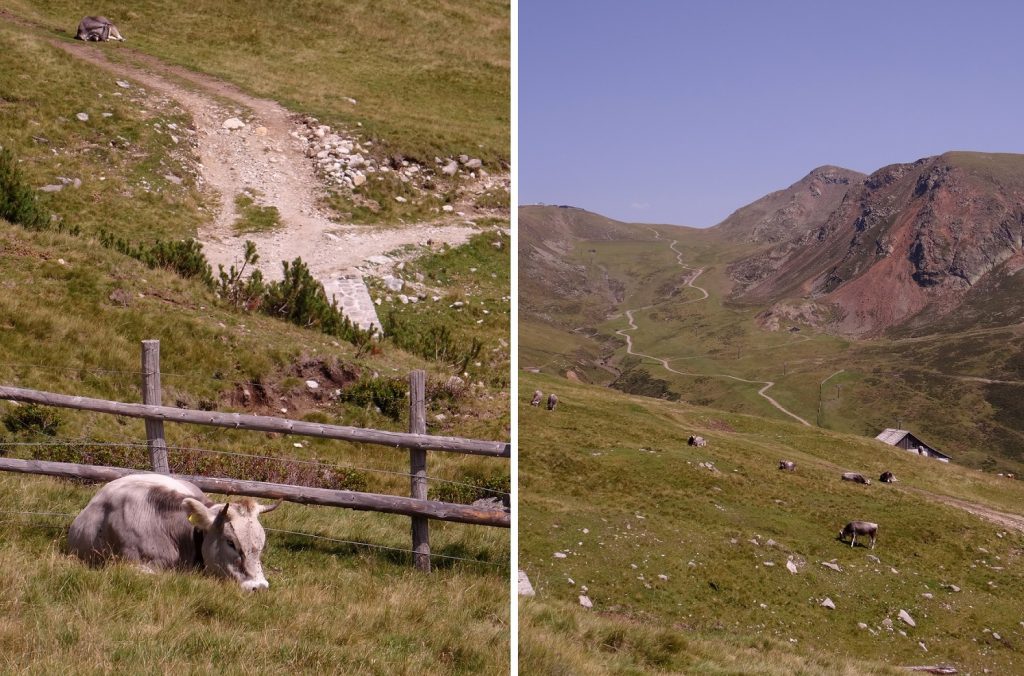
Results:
<point x="427" y="80"/>
<point x="72" y="315"/>
<point x="683" y="551"/>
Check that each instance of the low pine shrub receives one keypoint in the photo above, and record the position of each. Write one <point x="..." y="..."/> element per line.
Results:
<point x="435" y="341"/>
<point x="33" y="420"/>
<point x="184" y="257"/>
<point x="389" y="395"/>
<point x="18" y="202"/>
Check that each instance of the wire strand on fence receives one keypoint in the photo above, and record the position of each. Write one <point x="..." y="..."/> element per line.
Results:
<point x="279" y="530"/>
<point x="317" y="463"/>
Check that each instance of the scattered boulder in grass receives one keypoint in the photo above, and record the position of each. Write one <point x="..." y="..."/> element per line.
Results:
<point x="828" y="603"/>
<point x="585" y="601"/>
<point x="833" y="566"/>
<point x="906" y="618"/>
<point x="525" y="588"/>
<point x="791" y="567"/>
<point x="232" y="123"/>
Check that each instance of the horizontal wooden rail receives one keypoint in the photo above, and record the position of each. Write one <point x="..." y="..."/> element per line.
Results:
<point x="392" y="504"/>
<point x="262" y="423"/>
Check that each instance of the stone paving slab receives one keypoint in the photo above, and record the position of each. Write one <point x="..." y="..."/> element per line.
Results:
<point x="354" y="299"/>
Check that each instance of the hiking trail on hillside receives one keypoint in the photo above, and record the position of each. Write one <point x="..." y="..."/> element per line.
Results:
<point x="252" y="146"/>
<point x="664" y="362"/>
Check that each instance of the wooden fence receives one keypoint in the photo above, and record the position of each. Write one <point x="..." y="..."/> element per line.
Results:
<point x="416" y="440"/>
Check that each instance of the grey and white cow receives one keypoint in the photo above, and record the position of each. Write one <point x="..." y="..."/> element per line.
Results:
<point x="552" y="401"/>
<point x="537" y="396"/>
<point x="787" y="465"/>
<point x="856" y="478"/>
<point x="161" y="522"/>
<point x="855" y="528"/>
<point x="97" y="29"/>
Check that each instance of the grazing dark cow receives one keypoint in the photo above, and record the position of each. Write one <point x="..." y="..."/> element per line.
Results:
<point x="855" y="528"/>
<point x="97" y="29"/>
<point x="552" y="401"/>
<point x="697" y="441"/>
<point x="787" y="465"/>
<point x="887" y="478"/>
<point x="160" y="522"/>
<point x="857" y="478"/>
<point x="537" y="396"/>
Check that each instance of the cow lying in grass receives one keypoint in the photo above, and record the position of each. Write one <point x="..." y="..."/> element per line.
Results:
<point x="160" y="522"/>
<point x="856" y="478"/>
<point x="862" y="528"/>
<point x="97" y="29"/>
<point x="787" y="465"/>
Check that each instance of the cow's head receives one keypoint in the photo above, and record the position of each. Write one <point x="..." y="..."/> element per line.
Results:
<point x="233" y="539"/>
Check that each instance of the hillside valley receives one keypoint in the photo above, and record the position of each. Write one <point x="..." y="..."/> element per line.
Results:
<point x="859" y="303"/>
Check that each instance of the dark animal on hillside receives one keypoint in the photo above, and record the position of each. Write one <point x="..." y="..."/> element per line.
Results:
<point x="537" y="396"/>
<point x="160" y="522"/>
<point x="887" y="478"/>
<point x="97" y="29"/>
<point x="787" y="465"/>
<point x="855" y="477"/>
<point x="552" y="401"/>
<point x="697" y="441"/>
<point x="862" y="528"/>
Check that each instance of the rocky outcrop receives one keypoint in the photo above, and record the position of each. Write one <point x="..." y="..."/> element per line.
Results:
<point x="793" y="211"/>
<point x="912" y="238"/>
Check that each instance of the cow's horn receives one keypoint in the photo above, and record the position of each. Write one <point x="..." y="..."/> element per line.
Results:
<point x="271" y="507"/>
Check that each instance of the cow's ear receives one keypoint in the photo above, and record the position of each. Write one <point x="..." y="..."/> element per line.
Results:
<point x="199" y="515"/>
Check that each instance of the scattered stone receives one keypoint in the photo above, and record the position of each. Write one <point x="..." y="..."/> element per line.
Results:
<point x="173" y="179"/>
<point x="393" y="283"/>
<point x="474" y="164"/>
<point x="663" y="577"/>
<point x="833" y="566"/>
<point x="874" y="558"/>
<point x="791" y="567"/>
<point x="586" y="602"/>
<point x="525" y="588"/>
<point x="312" y="385"/>
<point x="403" y="299"/>
<point x="861" y="625"/>
<point x="400" y="199"/>
<point x="448" y="208"/>
<point x="450" y="168"/>
<point x="887" y="623"/>
<point x="927" y="595"/>
<point x="560" y="555"/>
<point x="953" y="588"/>
<point x="906" y="618"/>
<point x="996" y="636"/>
<point x="827" y="603"/>
<point x="56" y="187"/>
<point x="83" y="117"/>
<point x="120" y="297"/>
<point x="260" y="131"/>
<point x="122" y="84"/>
<point x="232" y="123"/>
<point x="923" y="646"/>
<point x="770" y="564"/>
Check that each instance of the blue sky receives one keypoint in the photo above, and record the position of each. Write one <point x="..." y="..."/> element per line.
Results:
<point x="681" y="112"/>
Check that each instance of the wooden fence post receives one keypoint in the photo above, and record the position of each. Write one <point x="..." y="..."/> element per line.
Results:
<point x="151" y="395"/>
<point x="418" y="468"/>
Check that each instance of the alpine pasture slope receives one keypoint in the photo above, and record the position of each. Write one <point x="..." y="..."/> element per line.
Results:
<point x="74" y="311"/>
<point x="685" y="552"/>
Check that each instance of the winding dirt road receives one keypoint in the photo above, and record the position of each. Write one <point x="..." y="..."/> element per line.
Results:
<point x="767" y="384"/>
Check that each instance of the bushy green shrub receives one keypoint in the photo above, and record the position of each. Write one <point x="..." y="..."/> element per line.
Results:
<point x="301" y="299"/>
<point x="390" y="395"/>
<point x="18" y="203"/>
<point x="33" y="419"/>
<point x="184" y="257"/>
<point x="472" y="488"/>
<point x="245" y="293"/>
<point x="435" y="342"/>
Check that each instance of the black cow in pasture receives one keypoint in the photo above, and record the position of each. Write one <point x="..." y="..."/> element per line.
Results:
<point x="97" y="29"/>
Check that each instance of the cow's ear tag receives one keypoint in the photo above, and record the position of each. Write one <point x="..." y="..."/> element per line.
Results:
<point x="193" y="519"/>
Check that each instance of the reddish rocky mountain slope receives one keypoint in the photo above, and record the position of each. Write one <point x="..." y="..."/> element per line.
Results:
<point x="909" y="246"/>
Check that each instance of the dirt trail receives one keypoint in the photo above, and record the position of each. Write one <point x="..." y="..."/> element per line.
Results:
<point x="1005" y="519"/>
<point x="664" y="362"/>
<point x="265" y="156"/>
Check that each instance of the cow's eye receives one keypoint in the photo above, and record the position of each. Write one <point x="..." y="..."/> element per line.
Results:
<point x="232" y="545"/>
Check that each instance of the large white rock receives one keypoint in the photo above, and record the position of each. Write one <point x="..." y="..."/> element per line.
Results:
<point x="586" y="602"/>
<point x="232" y="123"/>
<point x="827" y="603"/>
<point x="906" y="618"/>
<point x="525" y="588"/>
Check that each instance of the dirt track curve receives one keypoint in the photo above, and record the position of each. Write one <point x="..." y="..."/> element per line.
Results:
<point x="267" y="156"/>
